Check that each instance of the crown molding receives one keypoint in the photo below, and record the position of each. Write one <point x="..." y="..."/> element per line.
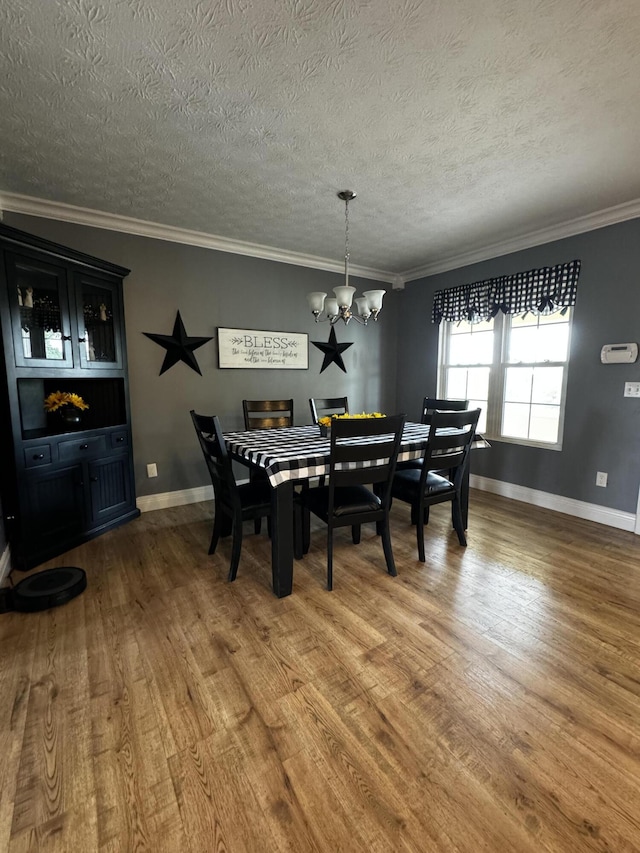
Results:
<point x="600" y="219"/>
<point x="30" y="206"/>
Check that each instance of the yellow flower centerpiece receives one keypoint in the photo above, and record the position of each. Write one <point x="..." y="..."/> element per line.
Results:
<point x="325" y="422"/>
<point x="68" y="405"/>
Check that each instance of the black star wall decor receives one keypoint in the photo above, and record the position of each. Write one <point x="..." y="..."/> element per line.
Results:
<point x="332" y="351"/>
<point x="179" y="346"/>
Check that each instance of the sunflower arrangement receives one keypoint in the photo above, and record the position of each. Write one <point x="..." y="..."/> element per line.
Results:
<point x="57" y="399"/>
<point x="326" y="421"/>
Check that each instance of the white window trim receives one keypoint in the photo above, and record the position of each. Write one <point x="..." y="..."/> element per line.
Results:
<point x="497" y="375"/>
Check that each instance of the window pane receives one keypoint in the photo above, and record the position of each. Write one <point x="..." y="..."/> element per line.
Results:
<point x="553" y="342"/>
<point x="477" y="384"/>
<point x="537" y="341"/>
<point x="517" y="386"/>
<point x="482" y="420"/>
<point x="547" y="385"/>
<point x="471" y="348"/>
<point x="547" y="319"/>
<point x="456" y="388"/>
<point x="515" y="420"/>
<point x="527" y="320"/>
<point x="464" y="328"/>
<point x="523" y="344"/>
<point x="545" y="421"/>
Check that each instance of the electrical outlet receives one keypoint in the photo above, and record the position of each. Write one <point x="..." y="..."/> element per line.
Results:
<point x="632" y="389"/>
<point x="601" y="478"/>
<point x="152" y="470"/>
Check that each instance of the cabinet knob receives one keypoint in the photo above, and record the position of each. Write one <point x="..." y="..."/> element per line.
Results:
<point x="120" y="438"/>
<point x="66" y="337"/>
<point x="38" y="455"/>
<point x="84" y="446"/>
<point x="82" y="340"/>
<point x="93" y="479"/>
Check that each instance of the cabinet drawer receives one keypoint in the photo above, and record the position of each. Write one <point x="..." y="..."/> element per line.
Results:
<point x="81" y="448"/>
<point x="39" y="455"/>
<point x="119" y="440"/>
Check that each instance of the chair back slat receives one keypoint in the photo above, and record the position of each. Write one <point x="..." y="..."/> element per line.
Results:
<point x="432" y="404"/>
<point x="267" y="414"/>
<point x="323" y="406"/>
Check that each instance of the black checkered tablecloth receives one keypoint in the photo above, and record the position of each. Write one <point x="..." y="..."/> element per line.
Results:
<point x="299" y="453"/>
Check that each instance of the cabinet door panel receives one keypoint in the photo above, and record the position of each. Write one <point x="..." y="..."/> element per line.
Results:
<point x="98" y="308"/>
<point x="111" y="493"/>
<point x="40" y="314"/>
<point x="55" y="501"/>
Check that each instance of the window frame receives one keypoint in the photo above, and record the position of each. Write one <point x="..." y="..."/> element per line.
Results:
<point x="497" y="379"/>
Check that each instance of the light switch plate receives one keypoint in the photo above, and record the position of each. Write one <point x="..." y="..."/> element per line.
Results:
<point x="632" y="389"/>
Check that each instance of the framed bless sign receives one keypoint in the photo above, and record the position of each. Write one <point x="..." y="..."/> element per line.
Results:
<point x="254" y="349"/>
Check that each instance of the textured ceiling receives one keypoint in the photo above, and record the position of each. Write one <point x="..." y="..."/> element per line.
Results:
<point x="461" y="123"/>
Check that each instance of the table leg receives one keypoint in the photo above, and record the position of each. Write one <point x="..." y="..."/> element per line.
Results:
<point x="282" y="538"/>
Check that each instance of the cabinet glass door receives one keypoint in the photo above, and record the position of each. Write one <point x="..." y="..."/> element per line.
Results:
<point x="99" y="323"/>
<point x="39" y="312"/>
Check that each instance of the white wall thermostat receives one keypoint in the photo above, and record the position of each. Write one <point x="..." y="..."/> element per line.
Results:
<point x="619" y="353"/>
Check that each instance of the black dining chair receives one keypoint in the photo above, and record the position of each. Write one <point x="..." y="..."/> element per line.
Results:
<point x="247" y="501"/>
<point x="267" y="414"/>
<point x="443" y="468"/>
<point x="364" y="452"/>
<point x="323" y="406"/>
<point x="429" y="406"/>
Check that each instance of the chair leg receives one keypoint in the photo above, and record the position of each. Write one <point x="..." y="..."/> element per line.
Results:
<point x="355" y="533"/>
<point x="329" y="558"/>
<point x="269" y="526"/>
<point x="458" y="522"/>
<point x="236" y="548"/>
<point x="420" y="531"/>
<point x="386" y="544"/>
<point x="215" y="533"/>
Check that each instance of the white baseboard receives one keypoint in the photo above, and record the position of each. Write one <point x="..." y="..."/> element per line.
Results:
<point x="5" y="564"/>
<point x="557" y="503"/>
<point x="146" y="503"/>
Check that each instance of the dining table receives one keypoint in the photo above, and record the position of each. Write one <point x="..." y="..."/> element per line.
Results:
<point x="298" y="454"/>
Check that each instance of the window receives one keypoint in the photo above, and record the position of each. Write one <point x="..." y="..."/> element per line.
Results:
<point x="515" y="369"/>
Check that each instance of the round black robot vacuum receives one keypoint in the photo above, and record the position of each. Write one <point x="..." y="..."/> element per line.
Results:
<point x="46" y="589"/>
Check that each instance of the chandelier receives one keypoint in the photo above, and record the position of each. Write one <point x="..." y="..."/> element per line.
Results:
<point x="339" y="307"/>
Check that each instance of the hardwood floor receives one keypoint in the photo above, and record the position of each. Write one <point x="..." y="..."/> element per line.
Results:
<point x="488" y="700"/>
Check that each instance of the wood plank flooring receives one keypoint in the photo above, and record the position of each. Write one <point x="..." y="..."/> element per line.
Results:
<point x="488" y="700"/>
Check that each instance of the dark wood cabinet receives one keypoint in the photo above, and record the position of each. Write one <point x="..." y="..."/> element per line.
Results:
<point x="62" y="330"/>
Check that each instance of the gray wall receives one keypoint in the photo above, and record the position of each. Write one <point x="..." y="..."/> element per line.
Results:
<point x="601" y="427"/>
<point x="213" y="289"/>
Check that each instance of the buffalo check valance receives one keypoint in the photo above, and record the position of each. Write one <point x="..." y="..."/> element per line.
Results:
<point x="541" y="291"/>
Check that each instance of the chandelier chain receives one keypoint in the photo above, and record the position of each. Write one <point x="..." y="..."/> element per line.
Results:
<point x="346" y="231"/>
